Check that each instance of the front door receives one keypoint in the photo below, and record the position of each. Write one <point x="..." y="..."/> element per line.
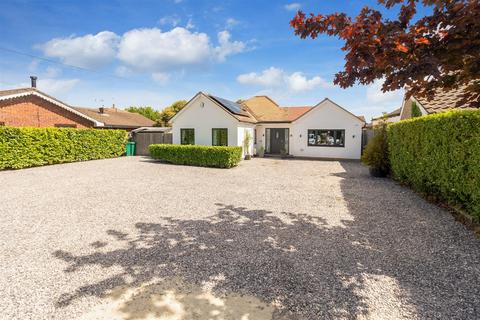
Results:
<point x="278" y="140"/>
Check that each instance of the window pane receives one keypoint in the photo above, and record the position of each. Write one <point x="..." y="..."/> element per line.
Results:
<point x="187" y="136"/>
<point x="326" y="138"/>
<point x="220" y="137"/>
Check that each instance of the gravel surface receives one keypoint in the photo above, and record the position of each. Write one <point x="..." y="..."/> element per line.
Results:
<point x="129" y="238"/>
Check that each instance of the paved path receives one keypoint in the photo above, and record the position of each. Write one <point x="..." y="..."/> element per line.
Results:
<point x="129" y="238"/>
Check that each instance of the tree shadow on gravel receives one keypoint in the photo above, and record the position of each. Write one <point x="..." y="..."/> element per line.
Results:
<point x="252" y="263"/>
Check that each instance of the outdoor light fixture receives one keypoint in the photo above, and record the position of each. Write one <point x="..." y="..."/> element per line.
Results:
<point x="202" y="104"/>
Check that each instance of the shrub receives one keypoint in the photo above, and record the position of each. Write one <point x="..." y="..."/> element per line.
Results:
<point x="440" y="155"/>
<point x="375" y="154"/>
<point x="203" y="156"/>
<point x="29" y="147"/>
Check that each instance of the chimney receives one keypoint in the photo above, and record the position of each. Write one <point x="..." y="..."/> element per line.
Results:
<point x="33" y="81"/>
<point x="102" y="109"/>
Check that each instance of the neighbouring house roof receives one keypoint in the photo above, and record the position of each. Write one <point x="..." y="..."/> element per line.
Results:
<point x="111" y="118"/>
<point x="23" y="92"/>
<point x="116" y="118"/>
<point x="394" y="113"/>
<point x="443" y="100"/>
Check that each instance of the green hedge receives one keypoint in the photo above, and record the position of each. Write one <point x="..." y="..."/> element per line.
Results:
<point x="203" y="156"/>
<point x="28" y="147"/>
<point x="440" y="155"/>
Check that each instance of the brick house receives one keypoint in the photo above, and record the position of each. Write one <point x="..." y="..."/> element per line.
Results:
<point x="29" y="107"/>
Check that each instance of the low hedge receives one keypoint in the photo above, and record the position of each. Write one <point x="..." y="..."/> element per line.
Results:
<point x="203" y="156"/>
<point x="440" y="155"/>
<point x="29" y="147"/>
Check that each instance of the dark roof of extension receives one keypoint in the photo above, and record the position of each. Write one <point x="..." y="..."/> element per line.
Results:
<point x="113" y="117"/>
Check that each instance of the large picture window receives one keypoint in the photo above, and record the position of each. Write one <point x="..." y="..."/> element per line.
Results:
<point x="187" y="136"/>
<point x="326" y="138"/>
<point x="220" y="137"/>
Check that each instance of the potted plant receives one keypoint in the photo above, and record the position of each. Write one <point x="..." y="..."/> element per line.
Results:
<point x="283" y="153"/>
<point x="246" y="145"/>
<point x="261" y="151"/>
<point x="375" y="154"/>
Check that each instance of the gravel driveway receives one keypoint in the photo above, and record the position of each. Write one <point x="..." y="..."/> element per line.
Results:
<point x="129" y="238"/>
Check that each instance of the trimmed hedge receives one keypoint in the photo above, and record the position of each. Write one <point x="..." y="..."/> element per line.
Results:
<point x="440" y="155"/>
<point x="203" y="156"/>
<point x="29" y="147"/>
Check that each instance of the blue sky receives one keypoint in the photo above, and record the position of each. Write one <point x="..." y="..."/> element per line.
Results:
<point x="156" y="52"/>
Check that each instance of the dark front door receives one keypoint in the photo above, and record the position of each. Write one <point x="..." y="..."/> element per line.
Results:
<point x="278" y="140"/>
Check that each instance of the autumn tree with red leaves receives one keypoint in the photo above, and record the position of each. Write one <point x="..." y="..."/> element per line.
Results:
<point x="439" y="51"/>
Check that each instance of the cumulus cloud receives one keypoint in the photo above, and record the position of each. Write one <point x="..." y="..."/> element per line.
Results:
<point x="271" y="77"/>
<point x="227" y="47"/>
<point x="148" y="50"/>
<point x="157" y="51"/>
<point x="294" y="6"/>
<point x="275" y="78"/>
<point x="89" y="51"/>
<point x="152" y="49"/>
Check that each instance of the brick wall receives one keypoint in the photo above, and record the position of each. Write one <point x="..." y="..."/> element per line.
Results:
<point x="32" y="111"/>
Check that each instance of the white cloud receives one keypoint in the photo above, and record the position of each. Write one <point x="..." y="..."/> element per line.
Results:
<point x="148" y="50"/>
<point x="157" y="51"/>
<point x="376" y="96"/>
<point x="57" y="86"/>
<point x="298" y="82"/>
<point x="275" y="78"/>
<point x="154" y="50"/>
<point x="226" y="47"/>
<point x="161" y="77"/>
<point x="89" y="51"/>
<point x="271" y="77"/>
<point x="294" y="6"/>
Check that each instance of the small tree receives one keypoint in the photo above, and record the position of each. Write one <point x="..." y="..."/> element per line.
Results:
<point x="146" y="111"/>
<point x="416" y="110"/>
<point x="375" y="154"/>
<point x="170" y="111"/>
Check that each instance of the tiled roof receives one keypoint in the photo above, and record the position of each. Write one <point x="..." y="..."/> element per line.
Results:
<point x="265" y="109"/>
<point x="113" y="117"/>
<point x="14" y="91"/>
<point x="443" y="100"/>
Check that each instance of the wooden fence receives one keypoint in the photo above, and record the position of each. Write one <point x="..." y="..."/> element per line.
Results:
<point x="144" y="139"/>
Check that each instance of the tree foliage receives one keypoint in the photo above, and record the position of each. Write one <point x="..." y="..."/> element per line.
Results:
<point x="147" y="112"/>
<point x="437" y="51"/>
<point x="170" y="111"/>
<point x="160" y="117"/>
